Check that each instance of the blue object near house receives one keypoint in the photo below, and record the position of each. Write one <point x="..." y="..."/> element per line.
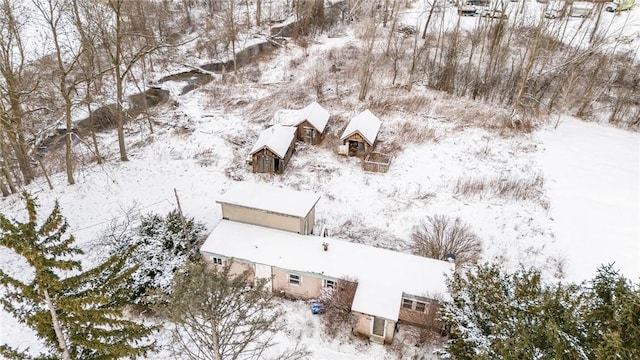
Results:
<point x="317" y="308"/>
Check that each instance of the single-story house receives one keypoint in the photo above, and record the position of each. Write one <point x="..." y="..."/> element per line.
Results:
<point x="273" y="149"/>
<point x="392" y="287"/>
<point x="310" y="121"/>
<point x="270" y="206"/>
<point x="361" y="133"/>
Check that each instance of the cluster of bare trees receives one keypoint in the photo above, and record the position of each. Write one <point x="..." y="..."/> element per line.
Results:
<point x="57" y="56"/>
<point x="534" y="66"/>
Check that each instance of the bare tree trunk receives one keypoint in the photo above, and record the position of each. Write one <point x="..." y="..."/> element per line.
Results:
<point x="52" y="13"/>
<point x="258" y="13"/>
<point x="56" y="327"/>
<point x="366" y="70"/>
<point x="46" y="175"/>
<point x="3" y="189"/>
<point x="426" y="25"/>
<point x="118" y="77"/>
<point x="533" y="53"/>
<point x="215" y="342"/>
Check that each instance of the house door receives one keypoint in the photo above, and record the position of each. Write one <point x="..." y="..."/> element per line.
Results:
<point x="276" y="165"/>
<point x="353" y="148"/>
<point x="379" y="326"/>
<point x="264" y="272"/>
<point x="309" y="135"/>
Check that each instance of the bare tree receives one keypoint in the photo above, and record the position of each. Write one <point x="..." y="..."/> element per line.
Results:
<point x="218" y="315"/>
<point x="439" y="236"/>
<point x="57" y="14"/>
<point x="367" y="66"/>
<point x="337" y="303"/>
<point x="125" y="43"/>
<point x="15" y="87"/>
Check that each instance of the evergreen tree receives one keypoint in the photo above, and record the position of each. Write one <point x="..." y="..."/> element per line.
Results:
<point x="78" y="316"/>
<point x="613" y="316"/>
<point x="496" y="315"/>
<point x="162" y="245"/>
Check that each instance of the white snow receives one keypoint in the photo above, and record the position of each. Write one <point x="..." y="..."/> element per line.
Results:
<point x="270" y="198"/>
<point x="277" y="138"/>
<point x="315" y="114"/>
<point x="593" y="178"/>
<point x="382" y="275"/>
<point x="366" y="124"/>
<point x="591" y="174"/>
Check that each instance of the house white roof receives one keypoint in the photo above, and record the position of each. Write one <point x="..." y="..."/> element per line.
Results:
<point x="317" y="116"/>
<point x="270" y="198"/>
<point x="366" y="124"/>
<point x="382" y="275"/>
<point x="276" y="138"/>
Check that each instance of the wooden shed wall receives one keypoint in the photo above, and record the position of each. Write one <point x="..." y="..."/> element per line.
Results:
<point x="263" y="161"/>
<point x="357" y="137"/>
<point x="301" y="134"/>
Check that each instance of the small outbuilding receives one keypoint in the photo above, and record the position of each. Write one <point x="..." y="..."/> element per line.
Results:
<point x="273" y="149"/>
<point x="270" y="206"/>
<point x="310" y="122"/>
<point x="361" y="133"/>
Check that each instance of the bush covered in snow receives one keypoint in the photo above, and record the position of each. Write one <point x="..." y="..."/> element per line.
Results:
<point x="161" y="249"/>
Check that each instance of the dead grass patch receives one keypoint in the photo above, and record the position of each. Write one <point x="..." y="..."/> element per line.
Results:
<point x="394" y="102"/>
<point x="515" y="188"/>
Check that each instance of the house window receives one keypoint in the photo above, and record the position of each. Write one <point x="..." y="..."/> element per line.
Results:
<point x="294" y="279"/>
<point x="407" y="304"/>
<point x="415" y="305"/>
<point x="330" y="284"/>
<point x="217" y="260"/>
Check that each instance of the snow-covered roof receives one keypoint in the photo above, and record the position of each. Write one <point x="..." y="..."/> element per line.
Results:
<point x="270" y="198"/>
<point x="276" y="138"/>
<point x="382" y="275"/>
<point x="317" y="116"/>
<point x="366" y="124"/>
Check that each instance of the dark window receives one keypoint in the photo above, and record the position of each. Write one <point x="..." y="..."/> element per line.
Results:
<point x="407" y="303"/>
<point x="294" y="279"/>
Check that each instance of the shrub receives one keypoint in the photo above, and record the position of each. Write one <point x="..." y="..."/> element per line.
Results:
<point x="337" y="304"/>
<point x="439" y="236"/>
<point x="160" y="250"/>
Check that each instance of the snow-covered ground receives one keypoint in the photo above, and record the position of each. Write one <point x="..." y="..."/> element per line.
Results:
<point x="588" y="213"/>
<point x="593" y="183"/>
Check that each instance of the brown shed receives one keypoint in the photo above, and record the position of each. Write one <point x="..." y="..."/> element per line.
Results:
<point x="310" y="121"/>
<point x="361" y="133"/>
<point x="273" y="149"/>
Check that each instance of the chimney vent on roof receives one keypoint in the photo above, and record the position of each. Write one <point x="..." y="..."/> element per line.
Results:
<point x="325" y="246"/>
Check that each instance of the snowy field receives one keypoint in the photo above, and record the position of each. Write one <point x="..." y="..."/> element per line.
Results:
<point x="593" y="184"/>
<point x="588" y="213"/>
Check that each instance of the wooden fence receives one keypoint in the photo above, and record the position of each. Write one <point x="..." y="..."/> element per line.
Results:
<point x="376" y="162"/>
